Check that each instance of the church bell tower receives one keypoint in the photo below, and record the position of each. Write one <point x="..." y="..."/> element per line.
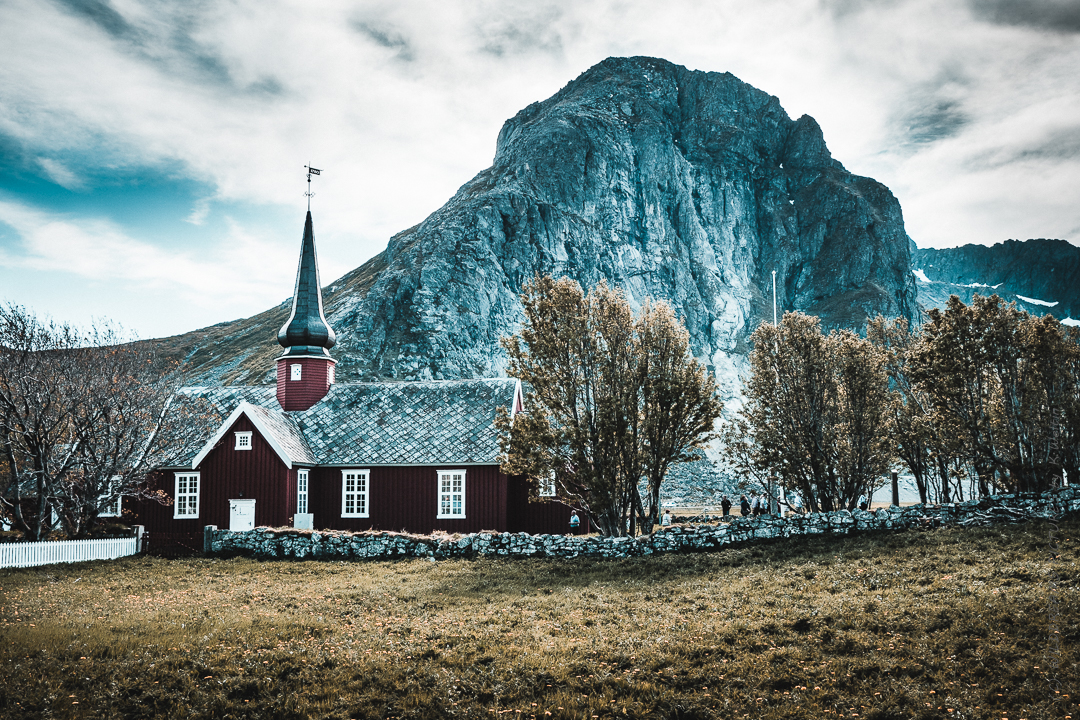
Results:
<point x="305" y="371"/>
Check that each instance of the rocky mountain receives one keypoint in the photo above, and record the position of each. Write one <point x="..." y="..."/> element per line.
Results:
<point x="1041" y="276"/>
<point x="667" y="182"/>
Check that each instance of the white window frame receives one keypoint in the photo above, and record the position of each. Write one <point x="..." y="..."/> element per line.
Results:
<point x="330" y="374"/>
<point x="243" y="440"/>
<point x="113" y="509"/>
<point x="450" y="500"/>
<point x="296" y="371"/>
<point x="302" y="491"/>
<point x="359" y="494"/>
<point x="186" y="504"/>
<point x="545" y="486"/>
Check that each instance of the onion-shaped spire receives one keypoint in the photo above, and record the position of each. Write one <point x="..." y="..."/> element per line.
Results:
<point x="307" y="332"/>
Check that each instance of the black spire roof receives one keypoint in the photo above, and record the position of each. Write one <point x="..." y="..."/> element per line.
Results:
<point x="307" y="332"/>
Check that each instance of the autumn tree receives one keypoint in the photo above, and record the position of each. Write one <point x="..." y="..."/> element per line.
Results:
<point x="817" y="413"/>
<point x="1004" y="380"/>
<point x="36" y="420"/>
<point x="614" y="399"/>
<point x="84" y="417"/>
<point x="862" y="416"/>
<point x="677" y="401"/>
<point x="924" y="442"/>
<point x="1069" y="424"/>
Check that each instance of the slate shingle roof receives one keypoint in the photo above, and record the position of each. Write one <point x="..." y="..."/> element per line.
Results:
<point x="407" y="423"/>
<point x="288" y="435"/>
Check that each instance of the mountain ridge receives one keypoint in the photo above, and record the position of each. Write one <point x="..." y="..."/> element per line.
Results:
<point x="1042" y="276"/>
<point x="675" y="184"/>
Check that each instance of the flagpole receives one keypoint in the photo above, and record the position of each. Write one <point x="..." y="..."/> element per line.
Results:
<point x="773" y="291"/>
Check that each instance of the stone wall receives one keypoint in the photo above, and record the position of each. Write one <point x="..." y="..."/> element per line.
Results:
<point x="334" y="545"/>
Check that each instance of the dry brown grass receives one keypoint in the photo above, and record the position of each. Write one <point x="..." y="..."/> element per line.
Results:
<point x="930" y="624"/>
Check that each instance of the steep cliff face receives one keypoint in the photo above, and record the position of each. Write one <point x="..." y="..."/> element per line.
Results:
<point x="669" y="183"/>
<point x="676" y="184"/>
<point x="1041" y="276"/>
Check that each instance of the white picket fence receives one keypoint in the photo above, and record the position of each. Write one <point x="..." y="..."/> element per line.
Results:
<point x="17" y="555"/>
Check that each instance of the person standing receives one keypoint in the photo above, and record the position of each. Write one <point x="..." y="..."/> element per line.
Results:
<point x="725" y="503"/>
<point x="744" y="505"/>
<point x="575" y="522"/>
<point x="796" y="503"/>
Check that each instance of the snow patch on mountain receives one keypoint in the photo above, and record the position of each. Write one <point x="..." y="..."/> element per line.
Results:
<point x="1033" y="301"/>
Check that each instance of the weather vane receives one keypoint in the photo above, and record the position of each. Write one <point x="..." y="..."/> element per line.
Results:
<point x="310" y="171"/>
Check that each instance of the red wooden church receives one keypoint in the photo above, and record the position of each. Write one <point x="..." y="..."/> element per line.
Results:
<point x="311" y="453"/>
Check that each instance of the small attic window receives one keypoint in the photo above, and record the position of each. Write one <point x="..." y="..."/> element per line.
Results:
<point x="294" y="371"/>
<point x="243" y="440"/>
<point x="330" y="374"/>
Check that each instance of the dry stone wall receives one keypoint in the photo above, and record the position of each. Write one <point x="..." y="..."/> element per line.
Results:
<point x="698" y="537"/>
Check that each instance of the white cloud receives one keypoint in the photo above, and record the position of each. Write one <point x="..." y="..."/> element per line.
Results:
<point x="60" y="174"/>
<point x="969" y="115"/>
<point x="79" y="250"/>
<point x="199" y="212"/>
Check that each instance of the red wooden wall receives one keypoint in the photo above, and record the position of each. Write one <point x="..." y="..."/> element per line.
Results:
<point x="312" y="386"/>
<point x="163" y="533"/>
<point x="226" y="474"/>
<point x="257" y="473"/>
<point x="405" y="498"/>
<point x="548" y="516"/>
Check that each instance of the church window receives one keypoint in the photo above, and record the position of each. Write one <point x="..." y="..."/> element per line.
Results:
<point x="451" y="494"/>
<point x="354" y="493"/>
<point x="546" y="486"/>
<point x="186" y="497"/>
<point x="301" y="491"/>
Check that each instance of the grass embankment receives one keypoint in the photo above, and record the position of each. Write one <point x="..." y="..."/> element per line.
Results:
<point x="948" y="623"/>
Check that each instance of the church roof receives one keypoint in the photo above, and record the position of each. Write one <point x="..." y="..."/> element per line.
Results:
<point x="405" y="423"/>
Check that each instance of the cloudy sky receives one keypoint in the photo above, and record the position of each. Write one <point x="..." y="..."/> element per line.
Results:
<point x="152" y="153"/>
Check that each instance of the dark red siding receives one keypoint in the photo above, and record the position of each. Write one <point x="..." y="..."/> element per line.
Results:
<point x="163" y="533"/>
<point x="226" y="474"/>
<point x="547" y="516"/>
<point x="257" y="473"/>
<point x="312" y="386"/>
<point x="399" y="498"/>
<point x="405" y="498"/>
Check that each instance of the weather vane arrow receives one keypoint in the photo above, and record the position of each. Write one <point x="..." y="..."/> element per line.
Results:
<point x="310" y="171"/>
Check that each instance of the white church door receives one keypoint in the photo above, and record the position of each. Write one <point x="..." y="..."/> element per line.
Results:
<point x="241" y="515"/>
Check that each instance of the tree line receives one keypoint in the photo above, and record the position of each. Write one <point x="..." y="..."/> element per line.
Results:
<point x="983" y="397"/>
<point x="85" y="416"/>
<point x="978" y="399"/>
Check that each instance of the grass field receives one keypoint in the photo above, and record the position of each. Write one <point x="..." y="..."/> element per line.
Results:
<point x="948" y="623"/>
